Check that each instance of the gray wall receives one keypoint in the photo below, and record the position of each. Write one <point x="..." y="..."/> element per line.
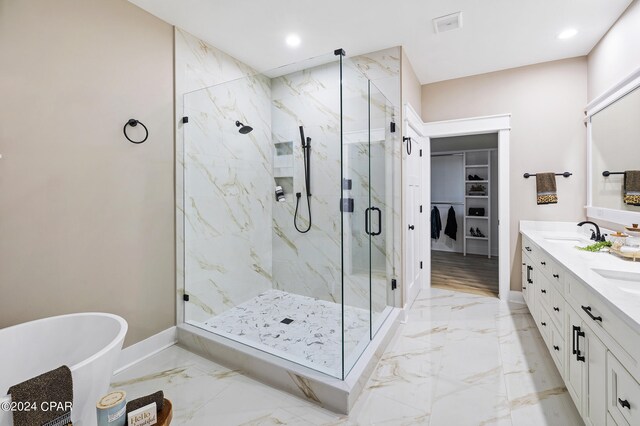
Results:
<point x="547" y="132"/>
<point x="411" y="88"/>
<point x="86" y="219"/>
<point x="617" y="54"/>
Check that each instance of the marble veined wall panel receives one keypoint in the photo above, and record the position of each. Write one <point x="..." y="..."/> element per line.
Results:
<point x="225" y="191"/>
<point x="311" y="264"/>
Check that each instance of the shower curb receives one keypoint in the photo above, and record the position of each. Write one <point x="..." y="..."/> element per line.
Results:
<point x="328" y="392"/>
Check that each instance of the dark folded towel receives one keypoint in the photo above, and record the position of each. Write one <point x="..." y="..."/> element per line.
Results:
<point x="546" y="188"/>
<point x="157" y="397"/>
<point x="54" y="386"/>
<point x="632" y="187"/>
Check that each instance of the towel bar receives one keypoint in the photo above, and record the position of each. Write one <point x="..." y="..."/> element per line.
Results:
<point x="607" y="173"/>
<point x="565" y="174"/>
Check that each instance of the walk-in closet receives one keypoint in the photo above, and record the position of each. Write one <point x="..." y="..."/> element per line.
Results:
<point x="464" y="213"/>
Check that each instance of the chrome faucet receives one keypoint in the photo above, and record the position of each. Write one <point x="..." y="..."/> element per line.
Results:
<point x="595" y="235"/>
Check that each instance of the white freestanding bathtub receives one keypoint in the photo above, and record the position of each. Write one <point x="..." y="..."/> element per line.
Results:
<point x="89" y="344"/>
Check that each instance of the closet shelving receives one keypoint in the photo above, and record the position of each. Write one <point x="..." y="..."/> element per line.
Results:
<point x="477" y="163"/>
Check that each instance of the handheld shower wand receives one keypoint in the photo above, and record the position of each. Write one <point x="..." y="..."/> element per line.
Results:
<point x="306" y="158"/>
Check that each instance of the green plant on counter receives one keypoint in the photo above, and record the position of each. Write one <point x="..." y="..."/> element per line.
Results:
<point x="596" y="247"/>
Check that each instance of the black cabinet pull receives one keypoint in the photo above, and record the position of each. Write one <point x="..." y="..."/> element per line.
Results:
<point x="527" y="248"/>
<point x="524" y="288"/>
<point x="543" y="291"/>
<point x="579" y="334"/>
<point x="573" y="339"/>
<point x="529" y="269"/>
<point x="523" y="264"/>
<point x="543" y="263"/>
<point x="587" y="309"/>
<point x="624" y="404"/>
<point x="411" y="227"/>
<point x="557" y="348"/>
<point x="544" y="324"/>
<point x="555" y="308"/>
<point x="556" y="276"/>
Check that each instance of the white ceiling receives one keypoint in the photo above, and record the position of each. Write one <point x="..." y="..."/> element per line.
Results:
<point x="496" y="34"/>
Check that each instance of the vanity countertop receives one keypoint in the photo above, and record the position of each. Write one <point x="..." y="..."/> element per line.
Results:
<point x="616" y="280"/>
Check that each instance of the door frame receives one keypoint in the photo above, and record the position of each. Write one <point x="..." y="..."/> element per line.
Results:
<point x="500" y="124"/>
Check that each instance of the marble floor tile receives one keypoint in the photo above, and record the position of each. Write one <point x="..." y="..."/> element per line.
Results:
<point x="459" y="360"/>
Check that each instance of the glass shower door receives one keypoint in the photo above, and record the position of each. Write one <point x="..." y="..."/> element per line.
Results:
<point x="381" y="143"/>
<point x="368" y="187"/>
<point x="357" y="225"/>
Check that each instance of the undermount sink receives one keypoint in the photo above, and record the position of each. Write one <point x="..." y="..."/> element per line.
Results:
<point x="569" y="241"/>
<point x="629" y="282"/>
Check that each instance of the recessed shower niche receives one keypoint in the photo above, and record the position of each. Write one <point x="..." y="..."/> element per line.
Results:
<point x="283" y="167"/>
<point x="295" y="292"/>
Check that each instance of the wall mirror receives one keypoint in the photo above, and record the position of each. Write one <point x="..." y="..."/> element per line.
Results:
<point x="613" y="122"/>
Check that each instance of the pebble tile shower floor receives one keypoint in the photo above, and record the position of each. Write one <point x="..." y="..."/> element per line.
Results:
<point x="298" y="328"/>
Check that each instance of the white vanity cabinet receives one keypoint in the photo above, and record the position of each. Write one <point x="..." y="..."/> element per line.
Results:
<point x="586" y="369"/>
<point x="596" y="351"/>
<point x="623" y="393"/>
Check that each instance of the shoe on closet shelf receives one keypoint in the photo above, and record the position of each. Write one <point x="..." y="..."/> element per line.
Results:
<point x="474" y="177"/>
<point x="473" y="232"/>
<point x="478" y="233"/>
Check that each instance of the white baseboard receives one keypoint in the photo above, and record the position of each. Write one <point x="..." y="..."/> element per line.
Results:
<point x="146" y="348"/>
<point x="516" y="297"/>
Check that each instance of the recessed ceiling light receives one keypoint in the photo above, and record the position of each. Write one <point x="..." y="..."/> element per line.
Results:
<point x="293" y="40"/>
<point x="568" y="33"/>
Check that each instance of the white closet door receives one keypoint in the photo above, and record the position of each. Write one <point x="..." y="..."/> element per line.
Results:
<point x="412" y="209"/>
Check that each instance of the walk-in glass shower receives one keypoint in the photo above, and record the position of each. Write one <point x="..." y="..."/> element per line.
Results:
<point x="291" y="211"/>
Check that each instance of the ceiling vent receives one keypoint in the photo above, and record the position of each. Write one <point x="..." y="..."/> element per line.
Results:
<point x="448" y="22"/>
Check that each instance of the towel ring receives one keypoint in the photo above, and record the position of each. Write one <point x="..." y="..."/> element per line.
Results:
<point x="133" y="123"/>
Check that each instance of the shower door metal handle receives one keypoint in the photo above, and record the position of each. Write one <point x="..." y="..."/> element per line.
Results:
<point x="366" y="220"/>
<point x="379" y="221"/>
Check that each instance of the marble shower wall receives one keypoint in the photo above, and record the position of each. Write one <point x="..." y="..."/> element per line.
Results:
<point x="311" y="264"/>
<point x="224" y="200"/>
<point x="237" y="241"/>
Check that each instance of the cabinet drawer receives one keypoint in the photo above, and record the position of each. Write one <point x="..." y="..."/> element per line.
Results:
<point x="557" y="348"/>
<point x="557" y="276"/>
<point x="556" y="308"/>
<point x="528" y="247"/>
<point x="544" y="323"/>
<point x="551" y="270"/>
<point x="543" y="291"/>
<point x="623" y="393"/>
<point x="600" y="317"/>
<point x="544" y="262"/>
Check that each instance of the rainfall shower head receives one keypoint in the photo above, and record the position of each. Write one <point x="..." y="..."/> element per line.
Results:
<point x="243" y="129"/>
